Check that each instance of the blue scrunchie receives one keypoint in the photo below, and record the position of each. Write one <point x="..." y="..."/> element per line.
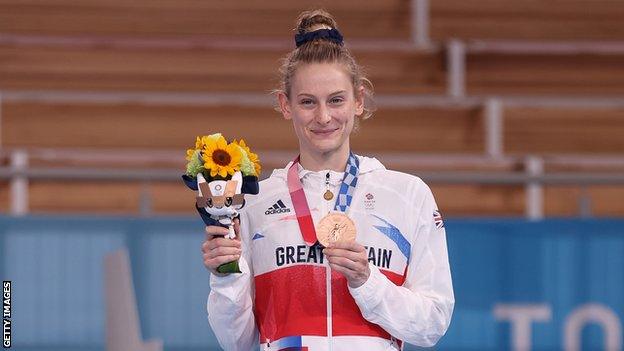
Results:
<point x="332" y="35"/>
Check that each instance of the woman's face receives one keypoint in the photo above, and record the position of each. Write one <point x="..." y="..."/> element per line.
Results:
<point x="322" y="107"/>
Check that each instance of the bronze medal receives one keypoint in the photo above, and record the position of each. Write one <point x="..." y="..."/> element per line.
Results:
<point x="328" y="195"/>
<point x="336" y="226"/>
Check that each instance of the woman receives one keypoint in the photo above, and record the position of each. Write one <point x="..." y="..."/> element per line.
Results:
<point x="392" y="284"/>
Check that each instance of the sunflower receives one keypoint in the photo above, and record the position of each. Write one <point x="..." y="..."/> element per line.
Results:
<point x="199" y="145"/>
<point x="221" y="158"/>
<point x="253" y="158"/>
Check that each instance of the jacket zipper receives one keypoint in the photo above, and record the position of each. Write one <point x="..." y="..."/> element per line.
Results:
<point x="328" y="287"/>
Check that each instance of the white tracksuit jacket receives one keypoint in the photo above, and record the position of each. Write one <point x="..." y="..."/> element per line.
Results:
<point x="281" y="299"/>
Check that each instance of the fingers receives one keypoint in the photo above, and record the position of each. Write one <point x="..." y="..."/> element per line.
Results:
<point x="215" y="231"/>
<point x="355" y="277"/>
<point x="222" y="251"/>
<point x="345" y="263"/>
<point x="351" y="250"/>
<point x="217" y="244"/>
<point x="213" y="262"/>
<point x="218" y="249"/>
<point x="355" y="261"/>
<point x="349" y="259"/>
<point x="347" y="245"/>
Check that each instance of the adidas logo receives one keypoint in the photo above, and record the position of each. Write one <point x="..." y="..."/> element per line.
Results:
<point x="278" y="207"/>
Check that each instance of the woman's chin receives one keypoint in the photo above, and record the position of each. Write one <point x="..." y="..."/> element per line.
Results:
<point x="325" y="146"/>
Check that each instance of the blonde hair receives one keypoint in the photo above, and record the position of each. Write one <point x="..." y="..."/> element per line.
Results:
<point x="322" y="50"/>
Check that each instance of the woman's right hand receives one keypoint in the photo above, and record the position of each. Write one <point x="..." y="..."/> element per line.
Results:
<point x="218" y="250"/>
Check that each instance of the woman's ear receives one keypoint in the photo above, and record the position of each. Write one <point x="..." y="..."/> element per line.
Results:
<point x="284" y="105"/>
<point x="359" y="101"/>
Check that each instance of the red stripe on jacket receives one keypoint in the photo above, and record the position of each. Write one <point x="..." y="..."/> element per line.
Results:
<point x="293" y="301"/>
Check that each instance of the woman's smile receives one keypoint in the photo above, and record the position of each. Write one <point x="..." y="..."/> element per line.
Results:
<point x="324" y="132"/>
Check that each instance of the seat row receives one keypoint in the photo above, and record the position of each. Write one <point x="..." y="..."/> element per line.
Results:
<point x="445" y="129"/>
<point x="466" y="19"/>
<point x="159" y="67"/>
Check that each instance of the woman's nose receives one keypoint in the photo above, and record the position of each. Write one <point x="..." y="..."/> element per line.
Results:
<point x="322" y="115"/>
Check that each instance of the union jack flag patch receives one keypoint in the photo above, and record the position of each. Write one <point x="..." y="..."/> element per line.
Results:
<point x="437" y="219"/>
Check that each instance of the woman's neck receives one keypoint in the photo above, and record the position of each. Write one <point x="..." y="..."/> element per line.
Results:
<point x="335" y="161"/>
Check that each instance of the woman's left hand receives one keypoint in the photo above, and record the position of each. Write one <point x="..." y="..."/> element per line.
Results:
<point x="350" y="259"/>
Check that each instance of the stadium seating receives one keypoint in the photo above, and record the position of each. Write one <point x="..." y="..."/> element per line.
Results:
<point x="548" y="74"/>
<point x="90" y="67"/>
<point x="28" y="124"/>
<point x="564" y="130"/>
<point x="197" y="49"/>
<point x="527" y="20"/>
<point x="144" y="18"/>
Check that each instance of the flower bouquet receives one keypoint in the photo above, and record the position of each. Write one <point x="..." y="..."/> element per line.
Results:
<point x="221" y="173"/>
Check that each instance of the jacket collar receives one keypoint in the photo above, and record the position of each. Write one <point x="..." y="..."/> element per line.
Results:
<point x="367" y="164"/>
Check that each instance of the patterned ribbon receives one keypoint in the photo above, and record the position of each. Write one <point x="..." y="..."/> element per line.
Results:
<point x="300" y="203"/>
<point x="349" y="181"/>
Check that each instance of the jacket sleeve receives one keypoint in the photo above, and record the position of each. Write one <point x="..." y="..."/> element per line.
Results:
<point x="419" y="311"/>
<point x="230" y="302"/>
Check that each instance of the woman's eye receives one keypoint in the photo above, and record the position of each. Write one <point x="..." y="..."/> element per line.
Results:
<point x="307" y="102"/>
<point x="336" y="100"/>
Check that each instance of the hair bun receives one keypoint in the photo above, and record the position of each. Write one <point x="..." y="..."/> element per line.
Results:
<point x="318" y="40"/>
<point x="313" y="20"/>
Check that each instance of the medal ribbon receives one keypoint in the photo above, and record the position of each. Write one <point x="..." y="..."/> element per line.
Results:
<point x="300" y="203"/>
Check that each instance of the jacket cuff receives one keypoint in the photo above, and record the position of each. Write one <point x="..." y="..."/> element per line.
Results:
<point x="369" y="294"/>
